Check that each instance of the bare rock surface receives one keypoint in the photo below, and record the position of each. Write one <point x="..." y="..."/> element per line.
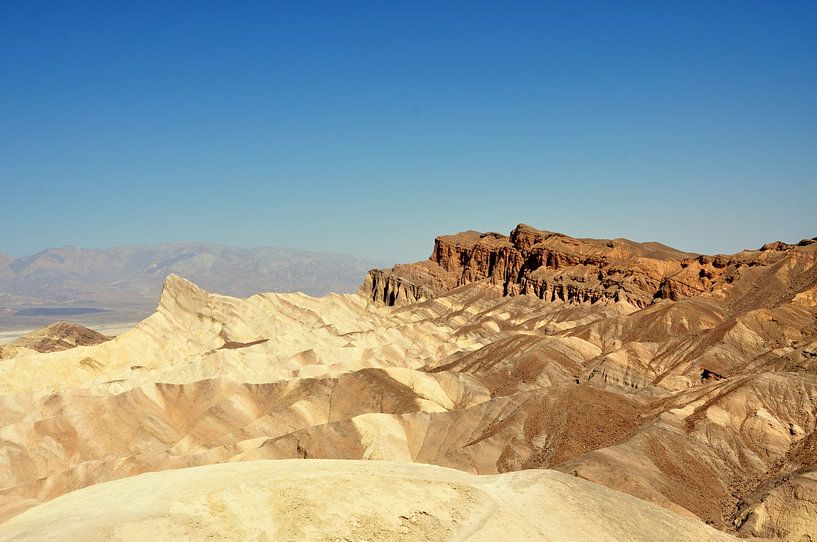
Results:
<point x="687" y="381"/>
<point x="52" y="338"/>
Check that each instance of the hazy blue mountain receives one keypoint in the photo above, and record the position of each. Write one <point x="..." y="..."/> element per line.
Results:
<point x="130" y="278"/>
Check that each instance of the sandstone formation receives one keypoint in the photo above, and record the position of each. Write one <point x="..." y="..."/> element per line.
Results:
<point x="687" y="381"/>
<point x="553" y="266"/>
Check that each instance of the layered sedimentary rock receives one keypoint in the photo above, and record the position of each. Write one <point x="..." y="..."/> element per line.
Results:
<point x="52" y="338"/>
<point x="556" y="267"/>
<point x="687" y="381"/>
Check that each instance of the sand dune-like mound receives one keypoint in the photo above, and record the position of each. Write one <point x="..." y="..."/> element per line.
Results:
<point x="687" y="381"/>
<point x="350" y="500"/>
<point x="52" y="338"/>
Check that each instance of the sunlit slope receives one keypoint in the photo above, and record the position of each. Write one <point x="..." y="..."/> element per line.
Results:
<point x="350" y="500"/>
<point x="703" y="401"/>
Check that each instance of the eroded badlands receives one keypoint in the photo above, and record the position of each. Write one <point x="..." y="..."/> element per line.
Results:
<point x="686" y="381"/>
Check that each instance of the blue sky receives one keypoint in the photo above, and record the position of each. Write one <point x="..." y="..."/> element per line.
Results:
<point x="370" y="127"/>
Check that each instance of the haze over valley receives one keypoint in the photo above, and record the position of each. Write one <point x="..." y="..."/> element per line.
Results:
<point x="108" y="288"/>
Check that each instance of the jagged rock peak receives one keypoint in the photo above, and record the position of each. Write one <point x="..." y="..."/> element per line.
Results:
<point x="178" y="291"/>
<point x="780" y="245"/>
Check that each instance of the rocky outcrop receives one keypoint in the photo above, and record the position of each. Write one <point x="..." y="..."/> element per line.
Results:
<point x="52" y="338"/>
<point x="548" y="265"/>
<point x="704" y="402"/>
<point x="392" y="289"/>
<point x="559" y="268"/>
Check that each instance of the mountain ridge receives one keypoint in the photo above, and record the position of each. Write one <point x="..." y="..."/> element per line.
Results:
<point x="554" y="266"/>
<point x="704" y="403"/>
<point x="127" y="280"/>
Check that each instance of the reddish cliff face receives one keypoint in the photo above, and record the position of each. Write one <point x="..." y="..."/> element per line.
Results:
<point x="556" y="267"/>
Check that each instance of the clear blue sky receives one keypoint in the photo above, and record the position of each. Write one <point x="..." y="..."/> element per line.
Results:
<point x="370" y="127"/>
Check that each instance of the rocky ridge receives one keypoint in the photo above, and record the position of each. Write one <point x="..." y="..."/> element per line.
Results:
<point x="556" y="267"/>
<point x="52" y="338"/>
<point x="704" y="404"/>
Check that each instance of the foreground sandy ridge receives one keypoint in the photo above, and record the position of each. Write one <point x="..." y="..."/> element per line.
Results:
<point x="350" y="500"/>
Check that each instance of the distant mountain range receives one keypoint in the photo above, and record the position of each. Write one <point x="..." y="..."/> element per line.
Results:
<point x="80" y="280"/>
